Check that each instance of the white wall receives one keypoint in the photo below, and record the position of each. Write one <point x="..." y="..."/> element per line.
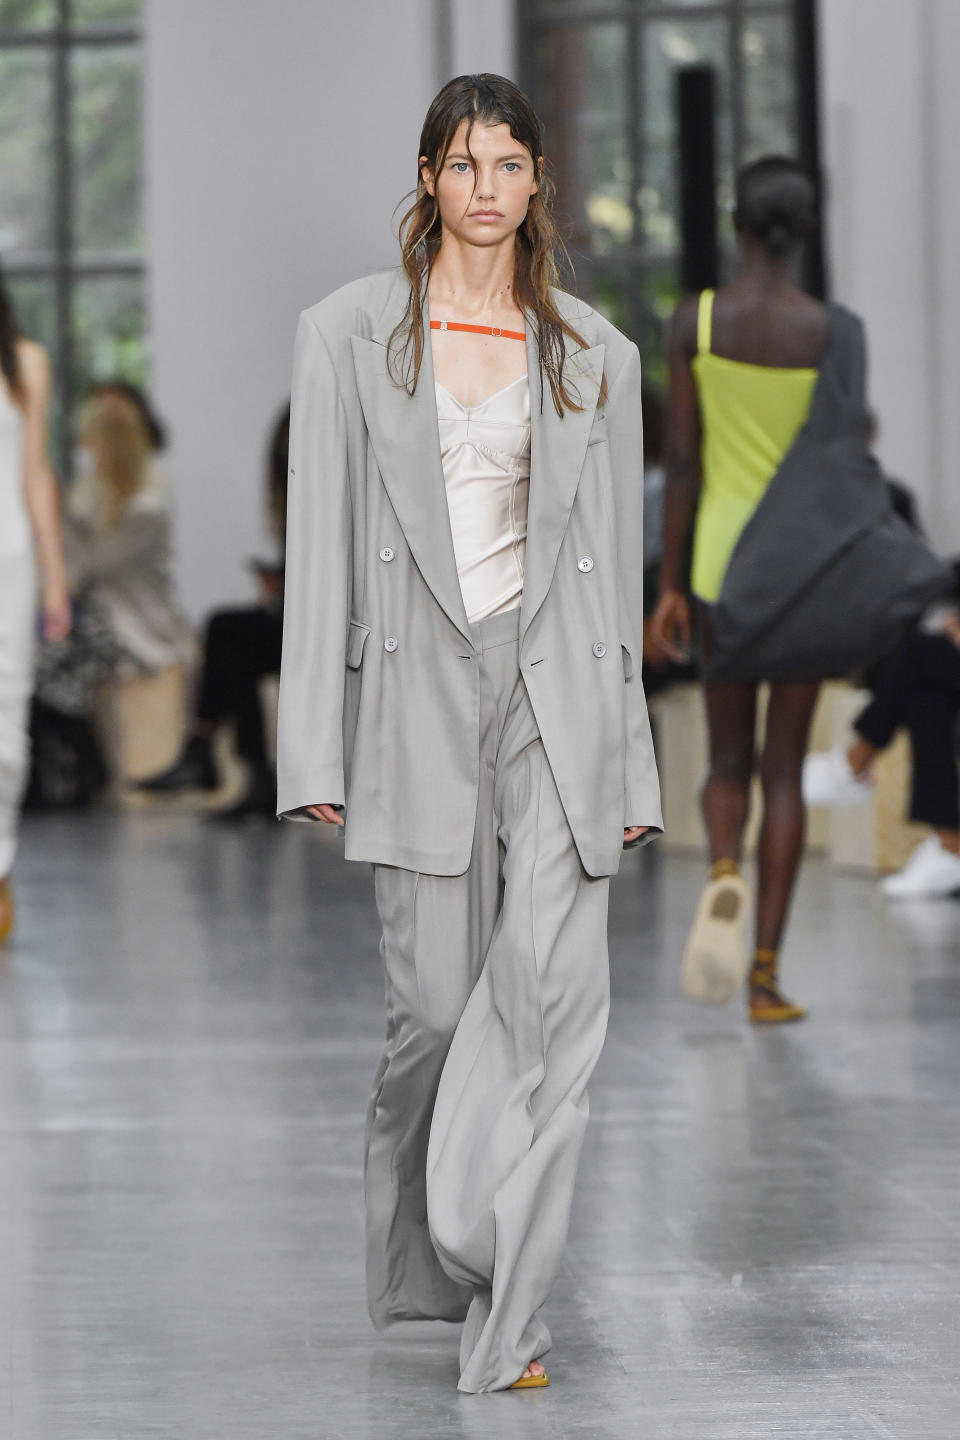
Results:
<point x="891" y="110"/>
<point x="484" y="37"/>
<point x="278" y="140"/>
<point x="279" y="136"/>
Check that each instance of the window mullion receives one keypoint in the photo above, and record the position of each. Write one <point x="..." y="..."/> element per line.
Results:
<point x="735" y="61"/>
<point x="63" y="233"/>
<point x="638" y="151"/>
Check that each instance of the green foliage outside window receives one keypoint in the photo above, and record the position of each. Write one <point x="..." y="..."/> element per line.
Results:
<point x="27" y="14"/>
<point x="106" y="149"/>
<point x="76" y="278"/>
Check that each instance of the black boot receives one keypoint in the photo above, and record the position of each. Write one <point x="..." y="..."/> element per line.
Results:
<point x="194" y="769"/>
<point x="258" y="798"/>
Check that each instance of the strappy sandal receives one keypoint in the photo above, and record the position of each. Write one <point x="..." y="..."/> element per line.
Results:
<point x="763" y="977"/>
<point x="531" y="1382"/>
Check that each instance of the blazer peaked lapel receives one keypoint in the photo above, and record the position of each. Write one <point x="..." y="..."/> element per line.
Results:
<point x="558" y="448"/>
<point x="405" y="436"/>
<point x="406" y="441"/>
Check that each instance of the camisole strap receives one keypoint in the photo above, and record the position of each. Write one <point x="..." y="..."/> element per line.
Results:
<point x="705" y="322"/>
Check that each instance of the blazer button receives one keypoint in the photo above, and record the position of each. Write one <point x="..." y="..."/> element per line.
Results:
<point x="390" y="643"/>
<point x="386" y="554"/>
<point x="585" y="564"/>
<point x="599" y="649"/>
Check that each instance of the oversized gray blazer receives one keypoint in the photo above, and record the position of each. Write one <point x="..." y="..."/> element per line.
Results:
<point x="380" y="683"/>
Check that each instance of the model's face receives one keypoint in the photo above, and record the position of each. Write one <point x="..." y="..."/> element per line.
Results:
<point x="486" y="204"/>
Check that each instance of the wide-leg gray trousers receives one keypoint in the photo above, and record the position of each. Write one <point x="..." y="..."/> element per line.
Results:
<point x="497" y="990"/>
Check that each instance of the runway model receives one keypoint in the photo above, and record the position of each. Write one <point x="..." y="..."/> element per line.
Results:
<point x="29" y="540"/>
<point x="461" y="687"/>
<point x="743" y="367"/>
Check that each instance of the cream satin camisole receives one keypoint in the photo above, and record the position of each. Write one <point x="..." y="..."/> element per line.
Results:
<point x="485" y="451"/>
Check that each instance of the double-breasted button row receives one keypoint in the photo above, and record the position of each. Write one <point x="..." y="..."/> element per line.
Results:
<point x="391" y="642"/>
<point x="599" y="649"/>
<point x="585" y="564"/>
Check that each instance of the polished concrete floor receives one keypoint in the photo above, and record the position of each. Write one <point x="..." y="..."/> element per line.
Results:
<point x="767" y="1233"/>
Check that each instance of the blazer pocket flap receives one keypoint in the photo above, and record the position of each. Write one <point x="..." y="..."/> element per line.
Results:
<point x="627" y="652"/>
<point x="355" y="643"/>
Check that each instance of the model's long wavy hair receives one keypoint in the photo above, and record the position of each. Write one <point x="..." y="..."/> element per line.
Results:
<point x="541" y="256"/>
<point x="9" y="335"/>
<point x="278" y="454"/>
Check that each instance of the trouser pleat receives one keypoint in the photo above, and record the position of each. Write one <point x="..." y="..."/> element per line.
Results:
<point x="498" y="994"/>
<point x="425" y="999"/>
<point x="512" y="1106"/>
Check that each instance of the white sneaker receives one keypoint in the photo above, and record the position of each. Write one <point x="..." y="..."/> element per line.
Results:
<point x="828" y="780"/>
<point x="931" y="873"/>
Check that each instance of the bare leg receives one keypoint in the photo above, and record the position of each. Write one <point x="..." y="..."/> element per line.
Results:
<point x="789" y="716"/>
<point x="731" y="718"/>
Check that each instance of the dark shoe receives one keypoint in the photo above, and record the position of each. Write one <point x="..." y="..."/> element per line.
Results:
<point x="259" y="798"/>
<point x="193" y="770"/>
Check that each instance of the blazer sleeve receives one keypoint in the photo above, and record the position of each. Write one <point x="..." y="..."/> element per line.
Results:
<point x="317" y="586"/>
<point x="625" y="432"/>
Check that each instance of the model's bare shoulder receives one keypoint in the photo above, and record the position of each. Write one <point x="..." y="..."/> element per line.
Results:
<point x="34" y="362"/>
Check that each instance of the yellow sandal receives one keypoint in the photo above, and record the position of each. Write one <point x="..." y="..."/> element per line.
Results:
<point x="763" y="977"/>
<point x="531" y="1382"/>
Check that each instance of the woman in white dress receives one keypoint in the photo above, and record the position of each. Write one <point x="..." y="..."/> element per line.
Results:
<point x="29" y="542"/>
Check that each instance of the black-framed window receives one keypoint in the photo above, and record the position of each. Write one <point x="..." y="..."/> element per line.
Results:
<point x="71" y="237"/>
<point x="602" y="74"/>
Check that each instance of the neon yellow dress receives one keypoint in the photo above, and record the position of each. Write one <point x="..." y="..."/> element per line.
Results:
<point x="749" y="416"/>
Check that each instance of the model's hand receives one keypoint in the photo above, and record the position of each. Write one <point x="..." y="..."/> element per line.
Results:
<point x="951" y="628"/>
<point x="57" y="615"/>
<point x="670" y="626"/>
<point x="326" y="813"/>
<point x="654" y="654"/>
<point x="633" y="832"/>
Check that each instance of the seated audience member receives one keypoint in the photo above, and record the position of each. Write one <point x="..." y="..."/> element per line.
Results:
<point x="118" y="529"/>
<point x="241" y="647"/>
<point x="119" y="532"/>
<point x="916" y="686"/>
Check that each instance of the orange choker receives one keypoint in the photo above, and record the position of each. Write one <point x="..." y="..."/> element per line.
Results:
<point x="478" y="329"/>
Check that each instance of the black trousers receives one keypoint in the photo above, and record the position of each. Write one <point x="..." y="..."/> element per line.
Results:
<point x="918" y="685"/>
<point x="241" y="646"/>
